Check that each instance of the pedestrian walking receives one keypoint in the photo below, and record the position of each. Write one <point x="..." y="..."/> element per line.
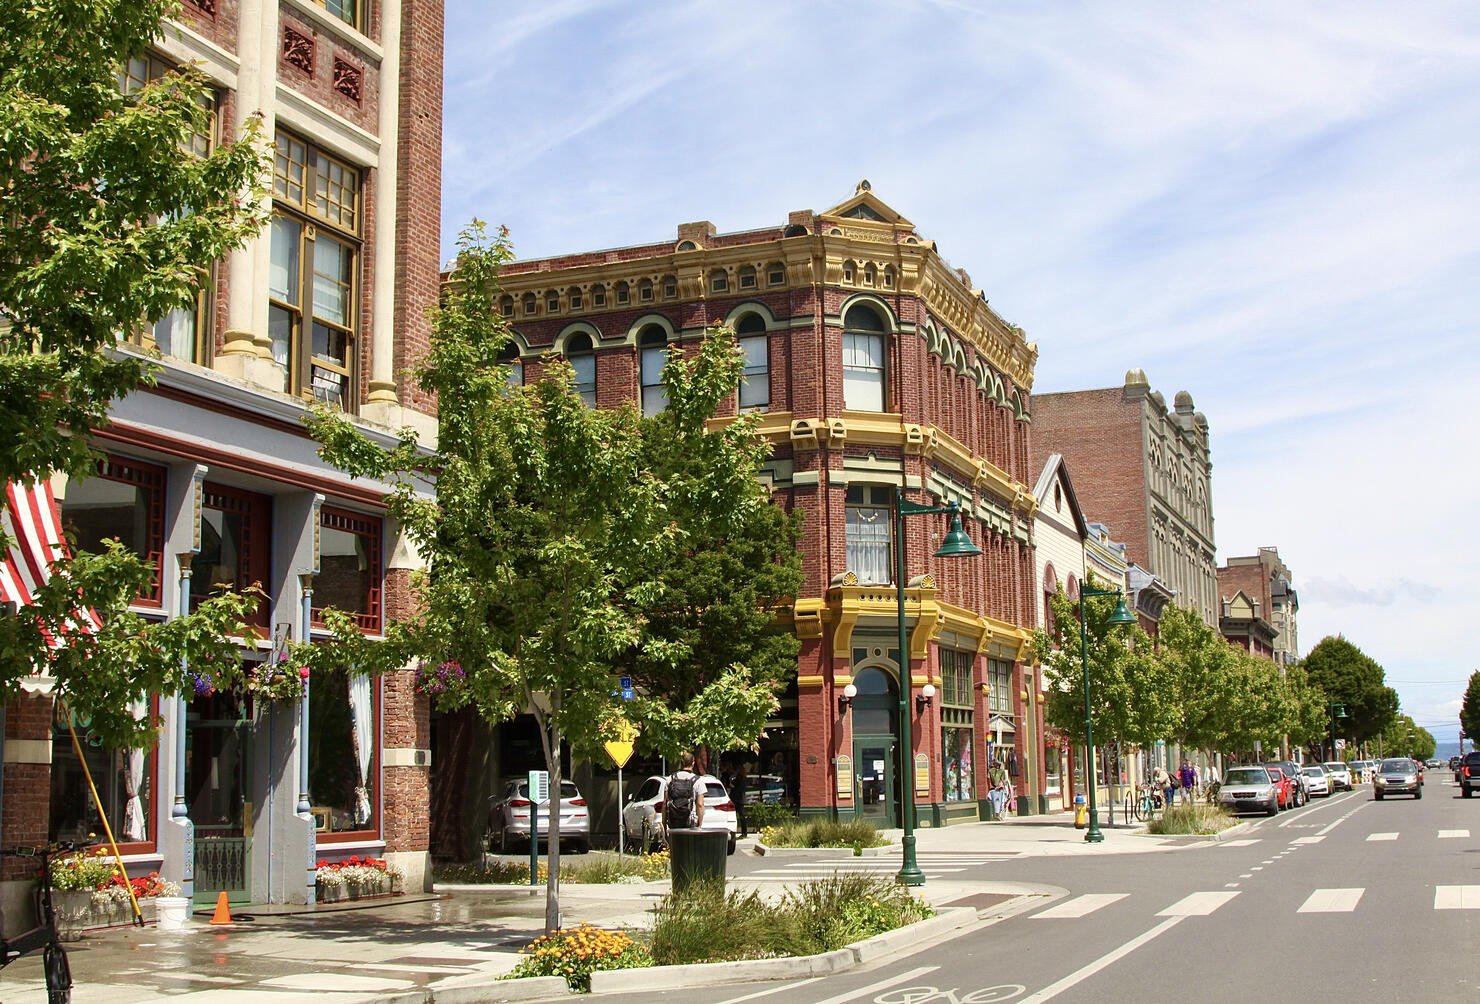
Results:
<point x="1163" y="782"/>
<point x="997" y="776"/>
<point x="683" y="805"/>
<point x="1189" y="782"/>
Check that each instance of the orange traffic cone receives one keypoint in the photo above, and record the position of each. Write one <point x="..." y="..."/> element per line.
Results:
<point x="223" y="912"/>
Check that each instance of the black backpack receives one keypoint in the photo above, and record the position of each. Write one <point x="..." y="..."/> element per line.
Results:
<point x="678" y="804"/>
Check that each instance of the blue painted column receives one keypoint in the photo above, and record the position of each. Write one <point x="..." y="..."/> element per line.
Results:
<point x="180" y="812"/>
<point x="306" y="617"/>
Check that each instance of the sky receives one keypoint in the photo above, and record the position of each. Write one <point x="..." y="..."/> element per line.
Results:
<point x="1273" y="206"/>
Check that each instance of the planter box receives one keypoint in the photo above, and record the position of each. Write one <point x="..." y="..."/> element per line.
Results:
<point x="76" y="912"/>
<point x="344" y="892"/>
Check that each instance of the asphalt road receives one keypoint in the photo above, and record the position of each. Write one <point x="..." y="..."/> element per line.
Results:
<point x="1345" y="899"/>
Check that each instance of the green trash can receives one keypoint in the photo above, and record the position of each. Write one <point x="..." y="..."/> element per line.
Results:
<point x="697" y="856"/>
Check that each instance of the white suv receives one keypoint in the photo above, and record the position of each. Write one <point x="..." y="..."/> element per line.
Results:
<point x="644" y="810"/>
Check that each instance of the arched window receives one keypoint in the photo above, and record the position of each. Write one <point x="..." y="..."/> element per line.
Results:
<point x="863" y="360"/>
<point x="552" y="301"/>
<point x="623" y="293"/>
<point x="746" y="276"/>
<point x="573" y="297"/>
<point x="583" y="360"/>
<point x="775" y="274"/>
<point x="652" y="345"/>
<point x="870" y="274"/>
<point x="531" y="305"/>
<point x="506" y="306"/>
<point x="719" y="282"/>
<point x="849" y="270"/>
<point x="670" y="287"/>
<point x="687" y="246"/>
<point x="888" y="276"/>
<point x="755" y="383"/>
<point x="509" y="356"/>
<point x="598" y="295"/>
<point x="645" y="291"/>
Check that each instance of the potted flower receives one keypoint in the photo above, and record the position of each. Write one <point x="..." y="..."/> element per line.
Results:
<point x="89" y="891"/>
<point x="355" y="877"/>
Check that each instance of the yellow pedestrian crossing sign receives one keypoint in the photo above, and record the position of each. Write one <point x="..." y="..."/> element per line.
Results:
<point x="620" y="752"/>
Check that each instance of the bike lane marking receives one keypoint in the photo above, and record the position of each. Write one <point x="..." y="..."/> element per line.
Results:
<point x="1310" y="807"/>
<point x="1085" y="972"/>
<point x="1342" y="818"/>
<point x="771" y="990"/>
<point x="1080" y="905"/>
<point x="872" y="988"/>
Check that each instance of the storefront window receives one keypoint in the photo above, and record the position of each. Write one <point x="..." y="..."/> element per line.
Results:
<point x="124" y="780"/>
<point x="123" y="502"/>
<point x="957" y="752"/>
<point x="343" y="766"/>
<point x="349" y="567"/>
<point x="235" y="545"/>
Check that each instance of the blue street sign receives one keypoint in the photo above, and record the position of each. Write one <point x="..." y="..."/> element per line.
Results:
<point x="627" y="684"/>
<point x="628" y="693"/>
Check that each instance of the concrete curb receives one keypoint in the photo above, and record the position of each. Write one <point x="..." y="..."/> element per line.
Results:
<point x="947" y="918"/>
<point x="716" y="973"/>
<point x="528" y="989"/>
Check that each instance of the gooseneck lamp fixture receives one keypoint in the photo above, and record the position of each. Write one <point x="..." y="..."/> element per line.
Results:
<point x="956" y="545"/>
<point x="1120" y="616"/>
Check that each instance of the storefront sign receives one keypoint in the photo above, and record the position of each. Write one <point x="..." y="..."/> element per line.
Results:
<point x="922" y="774"/>
<point x="845" y="776"/>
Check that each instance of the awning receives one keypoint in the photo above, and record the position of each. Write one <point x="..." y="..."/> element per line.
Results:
<point x="33" y="533"/>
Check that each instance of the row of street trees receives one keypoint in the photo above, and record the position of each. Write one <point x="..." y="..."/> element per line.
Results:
<point x="1190" y="687"/>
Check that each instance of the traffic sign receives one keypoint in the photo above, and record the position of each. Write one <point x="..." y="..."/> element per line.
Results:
<point x="620" y="752"/>
<point x="626" y="683"/>
<point x="628" y="693"/>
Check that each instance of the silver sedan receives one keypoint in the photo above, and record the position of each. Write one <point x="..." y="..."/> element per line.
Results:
<point x="1249" y="789"/>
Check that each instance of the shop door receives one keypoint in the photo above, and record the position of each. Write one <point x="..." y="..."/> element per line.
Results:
<point x="875" y="797"/>
<point x="218" y="794"/>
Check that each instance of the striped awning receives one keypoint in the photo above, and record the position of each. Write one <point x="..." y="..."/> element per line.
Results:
<point x="33" y="532"/>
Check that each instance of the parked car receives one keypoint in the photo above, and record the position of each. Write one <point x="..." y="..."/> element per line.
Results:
<point x="1468" y="773"/>
<point x="508" y="818"/>
<point x="1284" y="785"/>
<point x="1317" y="781"/>
<point x="1249" y="789"/>
<point x="1341" y="775"/>
<point x="1291" y="770"/>
<point x="1434" y="762"/>
<point x="644" y="810"/>
<point x="1397" y="776"/>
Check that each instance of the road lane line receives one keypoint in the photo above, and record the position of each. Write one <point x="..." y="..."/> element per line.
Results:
<point x="1080" y="905"/>
<point x="1306" y="810"/>
<point x="1331" y="901"/>
<point x="1080" y="975"/>
<point x="1453" y="834"/>
<point x="1245" y="842"/>
<point x="1381" y="836"/>
<point x="1198" y="904"/>
<point x="1230" y="885"/>
<point x="772" y="990"/>
<point x="1247" y="875"/>
<point x="1309" y="840"/>
<point x="1341" y="819"/>
<point x="881" y="985"/>
<point x="1457" y="897"/>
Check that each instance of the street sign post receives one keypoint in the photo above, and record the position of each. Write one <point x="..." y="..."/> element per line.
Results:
<point x="539" y="793"/>
<point x="620" y="752"/>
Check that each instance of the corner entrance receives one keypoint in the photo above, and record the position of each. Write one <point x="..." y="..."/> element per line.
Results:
<point x="875" y="714"/>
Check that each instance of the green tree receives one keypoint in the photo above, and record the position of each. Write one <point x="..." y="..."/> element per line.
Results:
<point x="713" y="653"/>
<point x="1469" y="712"/>
<point x="1347" y="676"/>
<point x="1200" y="687"/>
<point x="108" y="222"/>
<point x="552" y="527"/>
<point x="1407" y="738"/>
<point x="1309" y="724"/>
<point x="1124" y="678"/>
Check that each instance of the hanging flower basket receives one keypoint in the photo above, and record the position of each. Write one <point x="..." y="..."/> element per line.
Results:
<point x="281" y="678"/>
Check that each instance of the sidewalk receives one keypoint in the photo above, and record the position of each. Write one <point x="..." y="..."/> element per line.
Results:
<point x="465" y="936"/>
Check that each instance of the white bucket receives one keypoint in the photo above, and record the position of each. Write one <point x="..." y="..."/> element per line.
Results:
<point x="172" y="911"/>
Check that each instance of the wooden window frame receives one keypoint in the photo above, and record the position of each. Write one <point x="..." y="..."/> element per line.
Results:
<point x="371" y="528"/>
<point x="372" y="830"/>
<point x="256" y="545"/>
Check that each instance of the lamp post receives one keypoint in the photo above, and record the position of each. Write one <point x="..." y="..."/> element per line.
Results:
<point x="1120" y="616"/>
<point x="956" y="545"/>
<point x="1336" y="711"/>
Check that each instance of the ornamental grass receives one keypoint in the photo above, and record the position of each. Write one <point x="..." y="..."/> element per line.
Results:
<point x="822" y="833"/>
<point x="1191" y="819"/>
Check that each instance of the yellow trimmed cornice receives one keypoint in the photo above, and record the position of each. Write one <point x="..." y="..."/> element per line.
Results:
<point x="867" y="428"/>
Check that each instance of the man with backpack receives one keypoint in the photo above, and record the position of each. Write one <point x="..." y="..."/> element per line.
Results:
<point x="683" y="803"/>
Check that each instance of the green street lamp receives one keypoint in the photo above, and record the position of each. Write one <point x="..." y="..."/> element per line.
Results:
<point x="956" y="545"/>
<point x="1120" y="616"/>
<point x="1337" y="711"/>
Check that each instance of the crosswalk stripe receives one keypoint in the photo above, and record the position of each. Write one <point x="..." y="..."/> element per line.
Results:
<point x="1198" y="904"/>
<point x="1331" y="901"/>
<point x="1309" y="840"/>
<point x="1457" y="897"/>
<point x="1451" y="834"/>
<point x="1080" y="905"/>
<point x="1382" y="836"/>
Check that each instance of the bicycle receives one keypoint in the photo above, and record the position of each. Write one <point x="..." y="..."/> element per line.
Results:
<point x="1147" y="801"/>
<point x="44" y="936"/>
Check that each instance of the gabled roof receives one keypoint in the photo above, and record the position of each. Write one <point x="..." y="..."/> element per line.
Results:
<point x="1057" y="469"/>
<point x="865" y="205"/>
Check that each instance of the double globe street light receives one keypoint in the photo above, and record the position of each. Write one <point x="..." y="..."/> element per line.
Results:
<point x="1119" y="617"/>
<point x="956" y="545"/>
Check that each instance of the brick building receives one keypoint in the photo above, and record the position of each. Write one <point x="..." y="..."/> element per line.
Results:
<point x="1145" y="470"/>
<point x="211" y="476"/>
<point x="1259" y="606"/>
<point x="876" y="365"/>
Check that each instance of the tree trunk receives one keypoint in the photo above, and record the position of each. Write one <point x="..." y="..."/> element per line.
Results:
<point x="550" y="738"/>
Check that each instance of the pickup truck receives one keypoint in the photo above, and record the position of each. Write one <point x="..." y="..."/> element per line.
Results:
<point x="1468" y="773"/>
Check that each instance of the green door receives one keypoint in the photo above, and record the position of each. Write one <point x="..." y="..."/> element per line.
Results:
<point x="873" y="772"/>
